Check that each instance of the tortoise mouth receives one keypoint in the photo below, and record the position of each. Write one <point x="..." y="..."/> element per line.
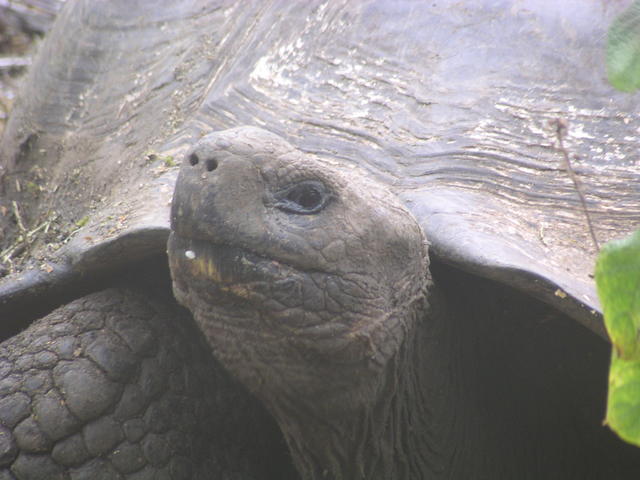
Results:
<point x="222" y="263"/>
<point x="230" y="275"/>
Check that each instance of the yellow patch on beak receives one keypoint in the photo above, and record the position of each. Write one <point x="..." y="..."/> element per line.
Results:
<point x="239" y="291"/>
<point x="206" y="268"/>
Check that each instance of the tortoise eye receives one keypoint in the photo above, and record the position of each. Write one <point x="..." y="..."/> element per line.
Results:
<point x="303" y="198"/>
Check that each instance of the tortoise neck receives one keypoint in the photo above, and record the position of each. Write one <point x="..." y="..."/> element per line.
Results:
<point x="403" y="432"/>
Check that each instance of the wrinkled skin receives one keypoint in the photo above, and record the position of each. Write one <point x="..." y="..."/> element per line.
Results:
<point x="311" y="283"/>
<point x="277" y="291"/>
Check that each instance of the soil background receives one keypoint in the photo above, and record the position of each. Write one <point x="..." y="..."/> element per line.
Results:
<point x="23" y="23"/>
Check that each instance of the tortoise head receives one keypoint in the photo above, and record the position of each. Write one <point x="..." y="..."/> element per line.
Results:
<point x="301" y="272"/>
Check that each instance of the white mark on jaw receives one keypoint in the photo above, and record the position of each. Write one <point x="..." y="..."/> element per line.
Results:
<point x="190" y="254"/>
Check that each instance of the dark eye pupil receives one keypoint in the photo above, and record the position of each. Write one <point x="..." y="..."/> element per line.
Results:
<point x="306" y="196"/>
<point x="303" y="198"/>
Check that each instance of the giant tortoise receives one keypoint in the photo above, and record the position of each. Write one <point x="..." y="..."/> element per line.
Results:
<point x="387" y="263"/>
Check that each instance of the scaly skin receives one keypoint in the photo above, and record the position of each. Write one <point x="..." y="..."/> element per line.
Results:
<point x="119" y="385"/>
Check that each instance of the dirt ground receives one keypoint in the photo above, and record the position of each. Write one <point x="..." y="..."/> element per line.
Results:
<point x="17" y="44"/>
<point x="22" y="24"/>
<point x="15" y="47"/>
<point x="26" y="228"/>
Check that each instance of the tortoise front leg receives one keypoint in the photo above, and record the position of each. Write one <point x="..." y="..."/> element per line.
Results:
<point x="118" y="385"/>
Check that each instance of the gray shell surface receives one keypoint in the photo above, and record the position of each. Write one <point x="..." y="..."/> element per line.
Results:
<point x="453" y="104"/>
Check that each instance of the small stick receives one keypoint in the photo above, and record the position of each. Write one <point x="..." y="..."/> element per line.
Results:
<point x="44" y="225"/>
<point x="9" y="63"/>
<point x="16" y="213"/>
<point x="562" y="125"/>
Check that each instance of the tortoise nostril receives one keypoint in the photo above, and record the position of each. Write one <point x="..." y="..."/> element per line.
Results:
<point x="211" y="164"/>
<point x="193" y="159"/>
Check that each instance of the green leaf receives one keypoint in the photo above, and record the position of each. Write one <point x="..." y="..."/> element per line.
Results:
<point x="83" y="221"/>
<point x="623" y="403"/>
<point x="618" y="282"/>
<point x="623" y="50"/>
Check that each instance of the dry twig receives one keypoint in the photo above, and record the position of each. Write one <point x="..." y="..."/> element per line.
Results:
<point x="561" y="126"/>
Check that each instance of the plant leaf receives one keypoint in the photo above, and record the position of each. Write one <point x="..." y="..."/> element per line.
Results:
<point x="623" y="50"/>
<point x="618" y="282"/>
